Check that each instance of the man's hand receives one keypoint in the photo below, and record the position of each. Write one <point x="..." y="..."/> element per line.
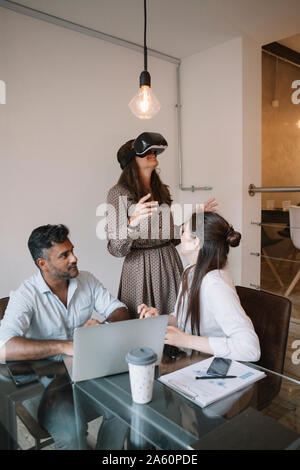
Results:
<point x="25" y="349"/>
<point x="92" y="322"/>
<point x="67" y="348"/>
<point x="144" y="311"/>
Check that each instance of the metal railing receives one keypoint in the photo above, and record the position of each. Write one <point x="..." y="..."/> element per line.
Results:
<point x="252" y="190"/>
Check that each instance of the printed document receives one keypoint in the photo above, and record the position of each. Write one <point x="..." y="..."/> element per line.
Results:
<point x="205" y="392"/>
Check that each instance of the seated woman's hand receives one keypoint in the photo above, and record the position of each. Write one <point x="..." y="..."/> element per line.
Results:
<point x="176" y="337"/>
<point x="144" y="311"/>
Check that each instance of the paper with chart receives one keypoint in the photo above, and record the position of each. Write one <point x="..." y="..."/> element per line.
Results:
<point x="205" y="392"/>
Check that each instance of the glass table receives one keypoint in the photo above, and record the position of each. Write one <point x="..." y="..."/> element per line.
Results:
<point x="265" y="415"/>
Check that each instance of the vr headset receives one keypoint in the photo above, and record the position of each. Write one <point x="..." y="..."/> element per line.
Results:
<point x="144" y="144"/>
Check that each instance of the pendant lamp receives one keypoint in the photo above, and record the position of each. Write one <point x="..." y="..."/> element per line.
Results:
<point x="144" y="105"/>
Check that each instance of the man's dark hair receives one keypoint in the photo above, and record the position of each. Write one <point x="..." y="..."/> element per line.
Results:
<point x="44" y="237"/>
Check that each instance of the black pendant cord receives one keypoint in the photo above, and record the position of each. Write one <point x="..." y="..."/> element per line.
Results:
<point x="145" y="35"/>
<point x="145" y="78"/>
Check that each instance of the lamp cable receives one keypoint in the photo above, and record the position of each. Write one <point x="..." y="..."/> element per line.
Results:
<point x="145" y="35"/>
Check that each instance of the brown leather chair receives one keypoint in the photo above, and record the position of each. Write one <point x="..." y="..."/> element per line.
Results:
<point x="3" y="305"/>
<point x="270" y="315"/>
<point x="33" y="427"/>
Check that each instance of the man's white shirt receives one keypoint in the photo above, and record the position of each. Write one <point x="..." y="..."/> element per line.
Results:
<point x="35" y="312"/>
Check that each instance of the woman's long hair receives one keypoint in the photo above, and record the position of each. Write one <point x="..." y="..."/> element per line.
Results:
<point x="130" y="178"/>
<point x="218" y="236"/>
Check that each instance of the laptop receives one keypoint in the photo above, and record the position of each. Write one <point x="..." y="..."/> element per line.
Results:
<point x="100" y="350"/>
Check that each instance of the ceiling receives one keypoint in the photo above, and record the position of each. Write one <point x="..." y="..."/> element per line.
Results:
<point x="182" y="27"/>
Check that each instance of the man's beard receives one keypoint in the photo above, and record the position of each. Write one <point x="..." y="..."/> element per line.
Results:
<point x="69" y="274"/>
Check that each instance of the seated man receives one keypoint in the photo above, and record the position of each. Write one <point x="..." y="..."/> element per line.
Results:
<point x="42" y="314"/>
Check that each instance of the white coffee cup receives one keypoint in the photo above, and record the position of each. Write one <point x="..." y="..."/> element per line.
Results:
<point x="141" y="364"/>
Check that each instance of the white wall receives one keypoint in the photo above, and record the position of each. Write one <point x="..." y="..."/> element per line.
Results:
<point x="66" y="116"/>
<point x="221" y="140"/>
<point x="252" y="109"/>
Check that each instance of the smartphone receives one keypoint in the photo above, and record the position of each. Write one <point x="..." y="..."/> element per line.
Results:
<point x="22" y="373"/>
<point x="219" y="366"/>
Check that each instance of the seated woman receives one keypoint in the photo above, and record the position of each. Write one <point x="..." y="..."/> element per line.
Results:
<point x="208" y="314"/>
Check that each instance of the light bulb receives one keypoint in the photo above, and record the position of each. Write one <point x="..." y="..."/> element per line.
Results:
<point x="144" y="104"/>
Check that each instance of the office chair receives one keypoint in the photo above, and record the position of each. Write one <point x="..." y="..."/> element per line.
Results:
<point x="33" y="427"/>
<point x="270" y="315"/>
<point x="295" y="237"/>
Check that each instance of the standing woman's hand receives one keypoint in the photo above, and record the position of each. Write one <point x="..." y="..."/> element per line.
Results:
<point x="144" y="311"/>
<point x="208" y="206"/>
<point x="142" y="210"/>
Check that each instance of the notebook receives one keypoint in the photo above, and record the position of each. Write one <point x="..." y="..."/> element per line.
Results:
<point x="205" y="392"/>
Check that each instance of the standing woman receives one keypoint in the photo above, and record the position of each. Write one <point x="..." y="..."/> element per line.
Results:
<point x="140" y="231"/>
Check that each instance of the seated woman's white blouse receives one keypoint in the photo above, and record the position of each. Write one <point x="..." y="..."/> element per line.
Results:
<point x="223" y="321"/>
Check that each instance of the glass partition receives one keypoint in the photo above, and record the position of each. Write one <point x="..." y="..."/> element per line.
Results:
<point x="280" y="248"/>
<point x="280" y="264"/>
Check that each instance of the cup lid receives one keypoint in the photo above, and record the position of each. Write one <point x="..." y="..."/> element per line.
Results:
<point x="141" y="356"/>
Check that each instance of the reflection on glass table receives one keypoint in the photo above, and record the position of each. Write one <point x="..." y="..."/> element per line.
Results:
<point x="169" y="421"/>
<point x="172" y="421"/>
